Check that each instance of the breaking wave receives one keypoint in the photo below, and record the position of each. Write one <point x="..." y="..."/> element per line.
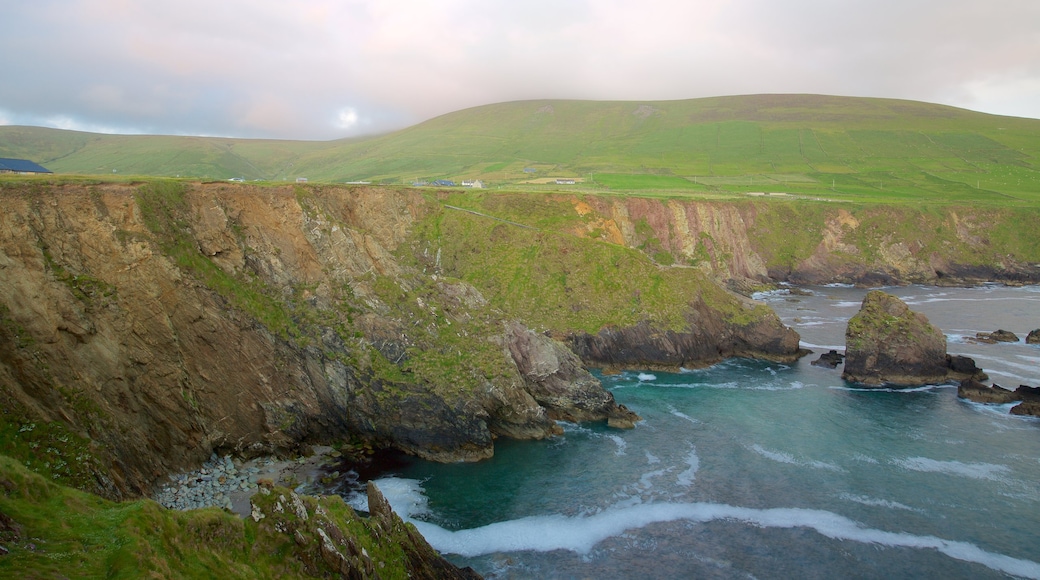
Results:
<point x="580" y="534"/>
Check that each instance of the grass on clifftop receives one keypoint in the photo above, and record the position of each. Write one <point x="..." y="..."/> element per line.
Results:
<point x="557" y="281"/>
<point x="52" y="531"/>
<point x="836" y="148"/>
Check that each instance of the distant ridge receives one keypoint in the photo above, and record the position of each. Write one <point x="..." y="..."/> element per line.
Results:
<point x="808" y="144"/>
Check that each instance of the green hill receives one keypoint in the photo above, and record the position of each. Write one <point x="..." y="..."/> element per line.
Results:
<point x="830" y="147"/>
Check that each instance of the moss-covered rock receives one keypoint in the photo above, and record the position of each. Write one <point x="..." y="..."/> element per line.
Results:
<point x="887" y="343"/>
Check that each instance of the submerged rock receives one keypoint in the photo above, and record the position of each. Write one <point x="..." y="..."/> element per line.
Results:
<point x="887" y="343"/>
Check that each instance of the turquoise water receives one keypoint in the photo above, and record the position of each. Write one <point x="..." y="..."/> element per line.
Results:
<point x="750" y="469"/>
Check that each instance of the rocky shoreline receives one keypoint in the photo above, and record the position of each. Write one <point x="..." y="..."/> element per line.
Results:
<point x="229" y="483"/>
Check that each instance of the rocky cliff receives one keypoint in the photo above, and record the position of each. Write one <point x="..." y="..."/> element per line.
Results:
<point x="811" y="242"/>
<point x="144" y="326"/>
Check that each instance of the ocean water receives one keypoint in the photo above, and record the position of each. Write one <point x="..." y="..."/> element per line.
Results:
<point x="750" y="469"/>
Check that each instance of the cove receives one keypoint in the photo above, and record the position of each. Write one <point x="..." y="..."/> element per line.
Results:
<point x="757" y="469"/>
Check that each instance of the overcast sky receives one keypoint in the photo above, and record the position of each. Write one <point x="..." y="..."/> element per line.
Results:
<point x="323" y="69"/>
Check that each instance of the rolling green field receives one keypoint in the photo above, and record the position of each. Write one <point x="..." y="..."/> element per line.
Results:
<point x="835" y="148"/>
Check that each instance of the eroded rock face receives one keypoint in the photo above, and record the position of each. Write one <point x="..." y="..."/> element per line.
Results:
<point x="708" y="338"/>
<point x="248" y="325"/>
<point x="556" y="379"/>
<point x="887" y="343"/>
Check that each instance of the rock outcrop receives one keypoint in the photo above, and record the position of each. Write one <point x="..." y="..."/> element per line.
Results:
<point x="1033" y="337"/>
<point x="557" y="380"/>
<point x="706" y="339"/>
<point x="996" y="336"/>
<point x="887" y="343"/>
<point x="978" y="392"/>
<point x="830" y="359"/>
<point x="161" y="325"/>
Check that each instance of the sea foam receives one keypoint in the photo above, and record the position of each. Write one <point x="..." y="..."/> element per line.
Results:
<point x="973" y="470"/>
<point x="580" y="534"/>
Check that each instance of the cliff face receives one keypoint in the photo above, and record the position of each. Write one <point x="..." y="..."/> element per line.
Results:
<point x="814" y="243"/>
<point x="144" y="326"/>
<point x="154" y="324"/>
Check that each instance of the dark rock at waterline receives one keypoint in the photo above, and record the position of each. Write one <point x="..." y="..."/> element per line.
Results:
<point x="887" y="343"/>
<point x="973" y="390"/>
<point x="829" y="359"/>
<point x="1033" y="337"/>
<point x="1027" y="408"/>
<point x="962" y="367"/>
<point x="1029" y="396"/>
<point x="996" y="336"/>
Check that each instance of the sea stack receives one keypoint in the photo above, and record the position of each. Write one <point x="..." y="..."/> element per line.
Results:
<point x="886" y="343"/>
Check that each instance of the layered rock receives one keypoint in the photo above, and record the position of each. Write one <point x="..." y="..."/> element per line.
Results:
<point x="806" y="244"/>
<point x="556" y="379"/>
<point x="887" y="343"/>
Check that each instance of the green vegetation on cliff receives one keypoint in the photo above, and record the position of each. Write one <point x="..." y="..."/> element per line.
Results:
<point x="513" y="250"/>
<point x="48" y="530"/>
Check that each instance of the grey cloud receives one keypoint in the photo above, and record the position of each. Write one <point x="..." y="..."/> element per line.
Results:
<point x="266" y="69"/>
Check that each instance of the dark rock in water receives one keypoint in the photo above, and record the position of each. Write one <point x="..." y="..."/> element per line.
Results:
<point x="1033" y="337"/>
<point x="1028" y="393"/>
<point x="1030" y="404"/>
<point x="975" y="391"/>
<point x="980" y="393"/>
<point x="996" y="336"/>
<point x="1027" y="408"/>
<point x="829" y="359"/>
<point x="962" y="367"/>
<point x="887" y="343"/>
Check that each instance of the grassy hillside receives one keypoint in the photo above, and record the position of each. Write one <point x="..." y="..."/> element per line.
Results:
<point x="829" y="147"/>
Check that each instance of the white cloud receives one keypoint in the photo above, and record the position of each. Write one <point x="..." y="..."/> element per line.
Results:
<point x="347" y="119"/>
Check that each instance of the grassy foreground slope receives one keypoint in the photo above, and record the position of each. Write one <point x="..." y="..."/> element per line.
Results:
<point x="830" y="147"/>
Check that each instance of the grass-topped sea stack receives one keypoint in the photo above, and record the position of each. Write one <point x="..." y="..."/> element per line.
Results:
<point x="887" y="343"/>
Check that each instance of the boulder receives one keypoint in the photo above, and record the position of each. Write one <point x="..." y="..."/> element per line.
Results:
<point x="1027" y="408"/>
<point x="1033" y="337"/>
<point x="887" y="343"/>
<point x="829" y="359"/>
